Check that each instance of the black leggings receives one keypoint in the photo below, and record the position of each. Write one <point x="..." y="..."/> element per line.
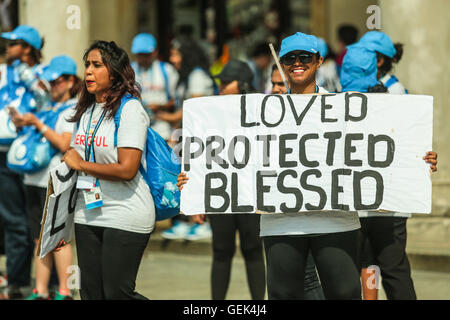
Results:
<point x="109" y="260"/>
<point x="224" y="227"/>
<point x="383" y="243"/>
<point x="335" y="255"/>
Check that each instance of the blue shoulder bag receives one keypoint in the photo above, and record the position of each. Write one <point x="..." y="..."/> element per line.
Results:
<point x="160" y="170"/>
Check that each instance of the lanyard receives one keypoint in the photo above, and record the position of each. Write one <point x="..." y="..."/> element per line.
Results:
<point x="89" y="145"/>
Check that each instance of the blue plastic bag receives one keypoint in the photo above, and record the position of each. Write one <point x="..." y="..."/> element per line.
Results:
<point x="31" y="151"/>
<point x="160" y="172"/>
<point x="13" y="94"/>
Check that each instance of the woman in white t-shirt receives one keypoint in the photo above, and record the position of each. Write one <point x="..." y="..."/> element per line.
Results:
<point x="330" y="236"/>
<point x="113" y="218"/>
<point x="64" y="84"/>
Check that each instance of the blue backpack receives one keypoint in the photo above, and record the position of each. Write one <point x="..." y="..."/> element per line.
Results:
<point x="161" y="170"/>
<point x="13" y="94"/>
<point x="31" y="151"/>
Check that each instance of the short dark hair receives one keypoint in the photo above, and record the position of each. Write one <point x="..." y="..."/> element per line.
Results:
<point x="261" y="49"/>
<point x="193" y="56"/>
<point x="387" y="64"/>
<point x="378" y="88"/>
<point x="245" y="87"/>
<point x="348" y="34"/>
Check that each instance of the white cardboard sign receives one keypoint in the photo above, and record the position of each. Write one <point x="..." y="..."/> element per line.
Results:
<point x="293" y="153"/>
<point x="58" y="218"/>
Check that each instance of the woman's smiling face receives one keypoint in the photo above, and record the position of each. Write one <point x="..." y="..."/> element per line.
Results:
<point x="301" y="72"/>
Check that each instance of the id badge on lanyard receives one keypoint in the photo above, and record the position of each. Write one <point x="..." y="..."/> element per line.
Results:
<point x="91" y="186"/>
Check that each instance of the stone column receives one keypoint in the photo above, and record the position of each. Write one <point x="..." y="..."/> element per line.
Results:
<point x="340" y="12"/>
<point x="114" y="20"/>
<point x="423" y="28"/>
<point x="64" y="24"/>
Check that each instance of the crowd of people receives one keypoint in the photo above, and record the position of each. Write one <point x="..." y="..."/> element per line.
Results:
<point x="48" y="113"/>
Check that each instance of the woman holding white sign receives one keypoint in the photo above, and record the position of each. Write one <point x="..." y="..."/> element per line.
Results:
<point x="61" y="74"/>
<point x="331" y="237"/>
<point x="114" y="212"/>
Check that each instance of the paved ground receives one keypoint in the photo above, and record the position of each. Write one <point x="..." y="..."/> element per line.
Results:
<point x="165" y="275"/>
<point x="178" y="270"/>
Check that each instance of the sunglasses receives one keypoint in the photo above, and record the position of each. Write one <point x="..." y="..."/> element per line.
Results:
<point x="290" y="58"/>
<point x="13" y="43"/>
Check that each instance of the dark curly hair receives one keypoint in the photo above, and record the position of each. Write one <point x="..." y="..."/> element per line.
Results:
<point x="118" y="64"/>
<point x="378" y="88"/>
<point x="193" y="57"/>
<point x="387" y="64"/>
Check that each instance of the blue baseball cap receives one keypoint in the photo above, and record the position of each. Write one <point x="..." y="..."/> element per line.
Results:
<point x="143" y="43"/>
<point x="299" y="41"/>
<point x="58" y="66"/>
<point x="25" y="33"/>
<point x="323" y="48"/>
<point x="378" y="41"/>
<point x="359" y="69"/>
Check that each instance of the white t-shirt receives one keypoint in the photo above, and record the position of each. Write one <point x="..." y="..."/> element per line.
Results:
<point x="3" y="74"/>
<point x="199" y="83"/>
<point x="310" y="222"/>
<point x="374" y="214"/>
<point x="153" y="83"/>
<point x="3" y="81"/>
<point x="154" y="90"/>
<point x="395" y="88"/>
<point x="40" y="178"/>
<point x="327" y="76"/>
<point x="127" y="205"/>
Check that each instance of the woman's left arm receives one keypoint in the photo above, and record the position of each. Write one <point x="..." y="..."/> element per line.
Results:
<point x="125" y="169"/>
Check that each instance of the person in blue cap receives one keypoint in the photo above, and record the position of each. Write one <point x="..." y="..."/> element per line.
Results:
<point x="23" y="54"/>
<point x="331" y="237"/>
<point x="388" y="53"/>
<point x="359" y="71"/>
<point x="288" y="238"/>
<point x="52" y="123"/>
<point x="158" y="80"/>
<point x="327" y="76"/>
<point x="383" y="235"/>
